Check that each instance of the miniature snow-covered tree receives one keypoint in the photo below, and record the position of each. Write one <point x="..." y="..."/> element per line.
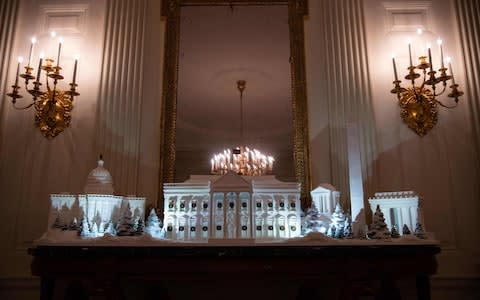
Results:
<point x="59" y="223"/>
<point x="84" y="229"/>
<point x="94" y="229"/>
<point x="338" y="221"/>
<point x="378" y="229"/>
<point x="347" y="228"/>
<point x="139" y="230"/>
<point x="395" y="234"/>
<point x="311" y="222"/>
<point x="153" y="224"/>
<point x="419" y="232"/>
<point x="125" y="225"/>
<point x="101" y="228"/>
<point x="405" y="230"/>
<point x="73" y="225"/>
<point x="110" y="228"/>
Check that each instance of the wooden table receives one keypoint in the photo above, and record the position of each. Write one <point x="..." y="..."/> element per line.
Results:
<point x="351" y="271"/>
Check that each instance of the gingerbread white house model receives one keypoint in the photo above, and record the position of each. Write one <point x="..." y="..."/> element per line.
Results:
<point x="231" y="207"/>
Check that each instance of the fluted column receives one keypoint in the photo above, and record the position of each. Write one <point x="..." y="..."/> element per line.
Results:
<point x="8" y="17"/>
<point x="120" y="101"/>
<point x="468" y="12"/>
<point x="348" y="88"/>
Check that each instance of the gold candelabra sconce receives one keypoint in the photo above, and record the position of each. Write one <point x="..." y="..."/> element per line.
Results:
<point x="419" y="102"/>
<point x="53" y="106"/>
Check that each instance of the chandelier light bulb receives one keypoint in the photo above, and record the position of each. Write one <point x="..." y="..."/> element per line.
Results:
<point x="448" y="59"/>
<point x="439" y="42"/>
<point x="60" y="39"/>
<point x="34" y="40"/>
<point x="20" y="59"/>
<point x="419" y="31"/>
<point x="42" y="54"/>
<point x="409" y="41"/>
<point x="76" y="57"/>
<point x="429" y="45"/>
<point x="241" y="160"/>
<point x="53" y="34"/>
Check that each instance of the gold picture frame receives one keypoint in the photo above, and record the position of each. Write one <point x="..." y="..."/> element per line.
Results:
<point x="297" y="10"/>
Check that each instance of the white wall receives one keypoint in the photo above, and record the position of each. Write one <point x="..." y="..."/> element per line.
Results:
<point x="441" y="167"/>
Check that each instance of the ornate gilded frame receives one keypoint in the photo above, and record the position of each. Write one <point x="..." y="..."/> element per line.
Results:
<point x="297" y="10"/>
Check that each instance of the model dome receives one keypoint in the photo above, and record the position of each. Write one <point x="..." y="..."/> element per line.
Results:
<point x="99" y="180"/>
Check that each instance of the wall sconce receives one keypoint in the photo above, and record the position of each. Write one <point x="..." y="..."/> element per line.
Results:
<point x="418" y="103"/>
<point x="52" y="105"/>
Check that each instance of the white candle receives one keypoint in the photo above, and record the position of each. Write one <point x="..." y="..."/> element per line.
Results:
<point x="394" y="67"/>
<point x="60" y="41"/>
<point x="34" y="40"/>
<point x="429" y="46"/>
<point x="409" y="41"/>
<point x="20" y="60"/>
<point x="39" y="66"/>
<point x="75" y="69"/>
<point x="451" y="70"/>
<point x="439" y="42"/>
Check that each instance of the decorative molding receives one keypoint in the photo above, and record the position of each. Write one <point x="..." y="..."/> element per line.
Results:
<point x="63" y="19"/>
<point x="348" y="90"/>
<point x="407" y="16"/>
<point x="121" y="95"/>
<point x="467" y="12"/>
<point x="8" y="17"/>
<point x="296" y="10"/>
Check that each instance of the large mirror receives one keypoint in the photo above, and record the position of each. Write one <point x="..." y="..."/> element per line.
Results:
<point x="209" y="47"/>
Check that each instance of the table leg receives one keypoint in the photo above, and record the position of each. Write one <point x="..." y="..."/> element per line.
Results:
<point x="47" y="285"/>
<point x="423" y="287"/>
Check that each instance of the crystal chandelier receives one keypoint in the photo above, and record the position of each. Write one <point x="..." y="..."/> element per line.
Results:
<point x="418" y="102"/>
<point x="53" y="106"/>
<point x="242" y="160"/>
